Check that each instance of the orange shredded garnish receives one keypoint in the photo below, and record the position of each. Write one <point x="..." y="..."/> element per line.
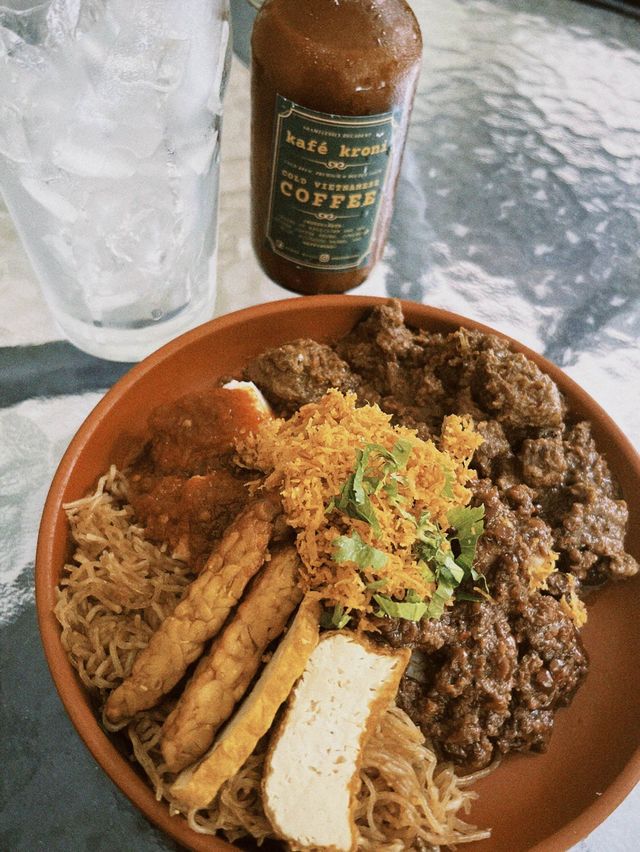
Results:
<point x="308" y="459"/>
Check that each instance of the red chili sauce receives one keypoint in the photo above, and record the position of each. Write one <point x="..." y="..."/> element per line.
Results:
<point x="184" y="486"/>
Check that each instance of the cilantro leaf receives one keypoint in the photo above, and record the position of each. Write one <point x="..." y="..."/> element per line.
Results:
<point x="449" y="479"/>
<point x="357" y="477"/>
<point x="400" y="453"/>
<point x="354" y="501"/>
<point x="469" y="526"/>
<point x="439" y="600"/>
<point x="468" y="596"/>
<point x="434" y="549"/>
<point x="351" y="548"/>
<point x="412" y="608"/>
<point x="377" y="584"/>
<point x="354" y="498"/>
<point x="396" y="458"/>
<point x="336" y="618"/>
<point x="426" y="571"/>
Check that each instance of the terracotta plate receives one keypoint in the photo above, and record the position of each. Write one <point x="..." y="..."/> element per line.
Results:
<point x="544" y="802"/>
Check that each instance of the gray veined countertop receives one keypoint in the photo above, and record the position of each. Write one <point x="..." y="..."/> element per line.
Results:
<point x="518" y="205"/>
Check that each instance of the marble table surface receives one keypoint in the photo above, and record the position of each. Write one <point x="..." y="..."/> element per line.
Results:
<point x="518" y="205"/>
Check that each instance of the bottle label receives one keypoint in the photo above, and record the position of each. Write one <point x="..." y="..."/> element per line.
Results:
<point x="328" y="178"/>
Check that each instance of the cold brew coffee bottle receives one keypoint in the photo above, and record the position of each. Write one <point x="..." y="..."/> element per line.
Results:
<point x="332" y="84"/>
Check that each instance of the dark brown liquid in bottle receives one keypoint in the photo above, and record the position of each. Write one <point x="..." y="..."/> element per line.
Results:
<point x="341" y="58"/>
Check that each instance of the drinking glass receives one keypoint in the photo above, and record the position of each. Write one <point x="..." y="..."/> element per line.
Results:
<point x="110" y="120"/>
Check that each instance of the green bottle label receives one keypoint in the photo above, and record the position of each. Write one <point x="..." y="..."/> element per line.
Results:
<point x="328" y="178"/>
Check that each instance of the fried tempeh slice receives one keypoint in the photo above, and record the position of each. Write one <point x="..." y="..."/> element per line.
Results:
<point x="200" y="614"/>
<point x="197" y="786"/>
<point x="222" y="677"/>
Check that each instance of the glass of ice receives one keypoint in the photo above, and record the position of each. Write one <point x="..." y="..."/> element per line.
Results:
<point x="110" y="119"/>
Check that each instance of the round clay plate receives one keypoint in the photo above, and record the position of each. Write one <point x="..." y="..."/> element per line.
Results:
<point x="541" y="802"/>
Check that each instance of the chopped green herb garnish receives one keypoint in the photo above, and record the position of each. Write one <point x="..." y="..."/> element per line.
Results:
<point x="400" y="454"/>
<point x="412" y="608"/>
<point x="434" y="549"/>
<point x="376" y="584"/>
<point x="351" y="548"/>
<point x="440" y="598"/>
<point x="376" y="469"/>
<point x="337" y="618"/>
<point x="426" y="572"/>
<point x="469" y="526"/>
<point x="468" y="596"/>
<point x="354" y="498"/>
<point x="449" y="479"/>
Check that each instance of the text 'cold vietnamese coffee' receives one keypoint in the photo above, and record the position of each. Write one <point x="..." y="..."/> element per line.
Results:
<point x="332" y="87"/>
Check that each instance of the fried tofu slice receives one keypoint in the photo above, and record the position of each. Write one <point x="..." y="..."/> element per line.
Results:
<point x="312" y="770"/>
<point x="196" y="787"/>
<point x="180" y="639"/>
<point x="223" y="676"/>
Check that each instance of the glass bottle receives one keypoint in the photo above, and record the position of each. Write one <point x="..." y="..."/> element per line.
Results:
<point x="332" y="84"/>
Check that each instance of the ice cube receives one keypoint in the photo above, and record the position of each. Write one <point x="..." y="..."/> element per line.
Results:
<point x="139" y="221"/>
<point x="95" y="34"/>
<point x="214" y="101"/>
<point x="199" y="155"/>
<point x="68" y="19"/>
<point x="141" y="240"/>
<point x="22" y="64"/>
<point x="205" y="25"/>
<point x="13" y="141"/>
<point x="128" y="117"/>
<point x="135" y="115"/>
<point x="140" y="140"/>
<point x="207" y="63"/>
<point x="28" y="25"/>
<point x="170" y="63"/>
<point x="97" y="160"/>
<point x="60" y="243"/>
<point x="140" y="58"/>
<point x="59" y="207"/>
<point x="90" y="13"/>
<point x="45" y="120"/>
<point x="62" y="19"/>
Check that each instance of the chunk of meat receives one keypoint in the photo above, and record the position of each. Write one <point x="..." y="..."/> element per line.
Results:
<point x="552" y="664"/>
<point x="299" y="372"/>
<point x="516" y="391"/>
<point x="180" y="638"/>
<point x="377" y="343"/>
<point x="389" y="359"/>
<point x="427" y="636"/>
<point x="465" y="703"/>
<point x="222" y="677"/>
<point x="592" y="537"/>
<point x="585" y="465"/>
<point x="543" y="461"/>
<point x="494" y="450"/>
